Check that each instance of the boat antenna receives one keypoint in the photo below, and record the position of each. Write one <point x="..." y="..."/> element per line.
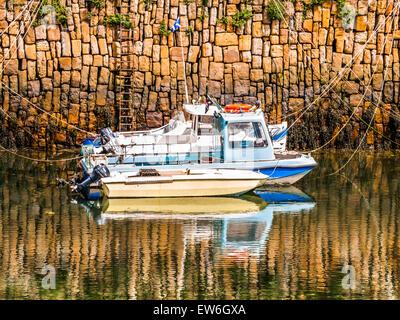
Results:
<point x="256" y="106"/>
<point x="207" y="107"/>
<point x="214" y="102"/>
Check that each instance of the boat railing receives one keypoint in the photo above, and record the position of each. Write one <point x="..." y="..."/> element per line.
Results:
<point x="207" y="155"/>
<point x="134" y="133"/>
<point x="168" y="152"/>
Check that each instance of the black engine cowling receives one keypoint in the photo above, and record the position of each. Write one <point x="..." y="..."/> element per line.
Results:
<point x="99" y="171"/>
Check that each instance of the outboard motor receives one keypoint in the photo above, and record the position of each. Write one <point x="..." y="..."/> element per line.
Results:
<point x="109" y="142"/>
<point x="99" y="171"/>
<point x="105" y="135"/>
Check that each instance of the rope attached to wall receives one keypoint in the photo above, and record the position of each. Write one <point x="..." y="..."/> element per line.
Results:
<point x="39" y="160"/>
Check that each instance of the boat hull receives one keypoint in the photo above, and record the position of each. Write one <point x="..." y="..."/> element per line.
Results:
<point x="285" y="176"/>
<point x="181" y="188"/>
<point x="279" y="172"/>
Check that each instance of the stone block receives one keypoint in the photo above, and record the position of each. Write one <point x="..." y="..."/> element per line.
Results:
<point x="30" y="51"/>
<point x="193" y="54"/>
<point x="65" y="63"/>
<point x="231" y="54"/>
<point x="154" y="119"/>
<point x="361" y="23"/>
<point x="76" y="48"/>
<point x="257" y="30"/>
<point x="226" y="39"/>
<point x="256" y="75"/>
<point x="245" y="42"/>
<point x="276" y="51"/>
<point x="241" y="87"/>
<point x="241" y="71"/>
<point x="216" y="71"/>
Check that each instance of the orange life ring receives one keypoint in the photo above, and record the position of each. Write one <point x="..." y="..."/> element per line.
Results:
<point x="237" y="108"/>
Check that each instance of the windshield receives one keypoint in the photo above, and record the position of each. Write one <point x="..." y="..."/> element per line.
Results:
<point x="208" y="126"/>
<point x="246" y="134"/>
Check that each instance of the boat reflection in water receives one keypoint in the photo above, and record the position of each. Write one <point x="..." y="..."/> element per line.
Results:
<point x="182" y="207"/>
<point x="173" y="208"/>
<point x="245" y="237"/>
<point x="238" y="226"/>
<point x="283" y="194"/>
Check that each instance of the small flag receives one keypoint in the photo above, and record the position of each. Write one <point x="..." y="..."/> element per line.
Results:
<point x="176" y="25"/>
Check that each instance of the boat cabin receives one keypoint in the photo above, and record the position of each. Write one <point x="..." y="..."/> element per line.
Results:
<point x="211" y="136"/>
<point x="246" y="137"/>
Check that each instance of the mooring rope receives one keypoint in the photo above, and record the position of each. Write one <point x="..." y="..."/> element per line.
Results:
<point x="48" y="113"/>
<point x="37" y="9"/>
<point x="10" y="24"/>
<point x="15" y="120"/>
<point x="333" y="137"/>
<point x="327" y="88"/>
<point x="370" y="127"/>
<point x="380" y="97"/>
<point x="68" y="125"/>
<point x="361" y="100"/>
<point x="39" y="160"/>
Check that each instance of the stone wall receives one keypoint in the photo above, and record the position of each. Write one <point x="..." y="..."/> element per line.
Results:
<point x="70" y="71"/>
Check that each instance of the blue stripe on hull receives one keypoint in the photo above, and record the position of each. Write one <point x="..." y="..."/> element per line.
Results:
<point x="279" y="135"/>
<point x="275" y="173"/>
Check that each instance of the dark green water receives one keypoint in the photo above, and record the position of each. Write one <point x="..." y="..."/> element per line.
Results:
<point x="282" y="251"/>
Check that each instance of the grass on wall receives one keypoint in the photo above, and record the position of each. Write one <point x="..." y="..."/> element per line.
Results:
<point x="163" y="29"/>
<point x="99" y="4"/>
<point x="276" y="10"/>
<point x="116" y="19"/>
<point x="239" y="19"/>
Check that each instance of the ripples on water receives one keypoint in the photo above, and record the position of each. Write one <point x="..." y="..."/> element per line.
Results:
<point x="283" y="251"/>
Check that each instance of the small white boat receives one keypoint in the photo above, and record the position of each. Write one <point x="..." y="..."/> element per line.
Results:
<point x="150" y="183"/>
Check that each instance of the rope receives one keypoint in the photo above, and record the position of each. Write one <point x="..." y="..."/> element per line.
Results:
<point x="276" y="166"/>
<point x="327" y="88"/>
<point x="372" y="128"/>
<point x="13" y="119"/>
<point x="39" y="160"/>
<point x="48" y="113"/>
<point x="37" y="9"/>
<point x="8" y="27"/>
<point x="380" y="97"/>
<point x="358" y="147"/>
<point x="333" y="137"/>
<point x="354" y="110"/>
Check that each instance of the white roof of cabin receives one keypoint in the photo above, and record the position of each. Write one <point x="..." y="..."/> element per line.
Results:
<point x="200" y="109"/>
<point x="245" y="116"/>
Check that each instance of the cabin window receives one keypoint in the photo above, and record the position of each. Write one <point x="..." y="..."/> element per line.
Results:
<point x="207" y="126"/>
<point x="246" y="135"/>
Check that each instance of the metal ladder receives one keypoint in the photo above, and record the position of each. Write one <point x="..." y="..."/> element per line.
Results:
<point x="124" y="77"/>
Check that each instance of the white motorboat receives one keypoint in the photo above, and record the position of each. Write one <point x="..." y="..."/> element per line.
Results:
<point x="150" y="183"/>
